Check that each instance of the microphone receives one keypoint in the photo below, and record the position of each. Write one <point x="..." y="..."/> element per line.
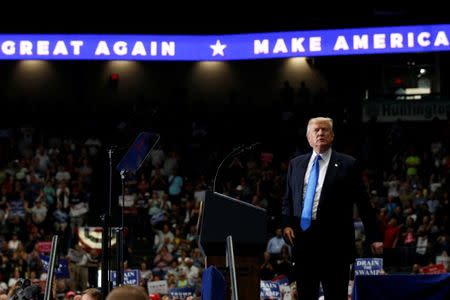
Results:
<point x="251" y="147"/>
<point x="238" y="150"/>
<point x="248" y="148"/>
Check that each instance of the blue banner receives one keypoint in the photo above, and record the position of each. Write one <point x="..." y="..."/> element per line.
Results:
<point x="62" y="271"/>
<point x="333" y="42"/>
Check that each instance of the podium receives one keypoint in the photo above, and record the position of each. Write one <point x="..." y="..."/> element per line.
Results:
<point x="222" y="216"/>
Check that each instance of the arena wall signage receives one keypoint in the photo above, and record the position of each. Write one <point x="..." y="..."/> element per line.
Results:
<point x="392" y="111"/>
<point x="335" y="42"/>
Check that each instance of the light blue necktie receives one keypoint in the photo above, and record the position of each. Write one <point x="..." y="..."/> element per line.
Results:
<point x="305" y="220"/>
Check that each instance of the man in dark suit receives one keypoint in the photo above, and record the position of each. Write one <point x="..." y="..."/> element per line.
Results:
<point x="318" y="221"/>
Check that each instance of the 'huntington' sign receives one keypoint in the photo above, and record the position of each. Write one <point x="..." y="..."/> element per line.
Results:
<point x="406" y="111"/>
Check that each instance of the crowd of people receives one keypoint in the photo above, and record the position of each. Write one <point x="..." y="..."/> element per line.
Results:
<point x="47" y="188"/>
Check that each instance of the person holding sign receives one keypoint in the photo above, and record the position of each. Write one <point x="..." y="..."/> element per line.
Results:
<point x="317" y="215"/>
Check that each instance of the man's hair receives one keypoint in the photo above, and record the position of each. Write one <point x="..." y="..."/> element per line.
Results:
<point x="129" y="292"/>
<point x="93" y="292"/>
<point x="319" y="119"/>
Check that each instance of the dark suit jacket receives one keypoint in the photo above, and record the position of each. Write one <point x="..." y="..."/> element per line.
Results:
<point x="342" y="187"/>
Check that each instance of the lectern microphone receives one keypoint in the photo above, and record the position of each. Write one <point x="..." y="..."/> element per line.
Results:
<point x="248" y="148"/>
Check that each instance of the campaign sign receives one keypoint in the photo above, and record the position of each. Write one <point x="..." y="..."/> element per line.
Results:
<point x="284" y="286"/>
<point x="368" y="266"/>
<point x="266" y="157"/>
<point x="62" y="271"/>
<point x="45" y="247"/>
<point x="434" y="269"/>
<point x="157" y="287"/>
<point x="269" y="290"/>
<point x="181" y="293"/>
<point x="130" y="277"/>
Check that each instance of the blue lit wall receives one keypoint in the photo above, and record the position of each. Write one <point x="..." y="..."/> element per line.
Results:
<point x="314" y="43"/>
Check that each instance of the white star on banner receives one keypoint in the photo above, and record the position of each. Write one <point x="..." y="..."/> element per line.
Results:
<point x="218" y="48"/>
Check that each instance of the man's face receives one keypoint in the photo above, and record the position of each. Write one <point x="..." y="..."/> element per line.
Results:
<point x="320" y="136"/>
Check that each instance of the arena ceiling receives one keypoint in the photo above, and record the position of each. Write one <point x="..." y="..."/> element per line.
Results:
<point x="221" y="18"/>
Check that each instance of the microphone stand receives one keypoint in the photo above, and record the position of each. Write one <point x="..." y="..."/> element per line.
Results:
<point x="119" y="235"/>
<point x="105" y="235"/>
<point x="129" y="164"/>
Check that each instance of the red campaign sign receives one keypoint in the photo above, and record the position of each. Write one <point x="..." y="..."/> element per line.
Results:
<point x="45" y="247"/>
<point x="434" y="269"/>
<point x="266" y="157"/>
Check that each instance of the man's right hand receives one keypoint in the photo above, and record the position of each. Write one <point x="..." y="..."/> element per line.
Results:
<point x="288" y="234"/>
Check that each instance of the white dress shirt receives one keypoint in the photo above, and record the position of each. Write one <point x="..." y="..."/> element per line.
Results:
<point x="323" y="165"/>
